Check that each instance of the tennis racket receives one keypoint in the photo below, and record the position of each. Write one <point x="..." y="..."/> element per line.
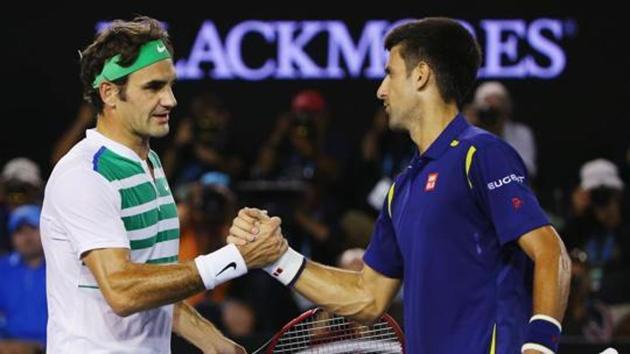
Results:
<point x="316" y="331"/>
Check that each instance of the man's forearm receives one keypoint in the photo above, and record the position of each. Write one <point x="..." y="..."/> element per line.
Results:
<point x="344" y="292"/>
<point x="193" y="327"/>
<point x="144" y="286"/>
<point x="552" y="275"/>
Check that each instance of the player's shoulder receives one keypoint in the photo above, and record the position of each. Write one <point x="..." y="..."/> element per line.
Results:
<point x="482" y="141"/>
<point x="76" y="166"/>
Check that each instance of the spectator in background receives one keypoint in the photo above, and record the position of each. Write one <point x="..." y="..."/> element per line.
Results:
<point x="299" y="161"/>
<point x="597" y="226"/>
<point x="297" y="145"/>
<point x="384" y="154"/>
<point x="315" y="229"/>
<point x="20" y="183"/>
<point x="23" y="312"/>
<point x="203" y="142"/>
<point x="599" y="239"/>
<point x="239" y="321"/>
<point x="206" y="208"/>
<point x="86" y="118"/>
<point x="492" y="111"/>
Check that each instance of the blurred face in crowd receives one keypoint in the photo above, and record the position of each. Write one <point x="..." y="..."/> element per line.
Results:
<point x="607" y="210"/>
<point x="27" y="242"/>
<point x="398" y="91"/>
<point x="147" y="99"/>
<point x="492" y="113"/>
<point x="239" y="319"/>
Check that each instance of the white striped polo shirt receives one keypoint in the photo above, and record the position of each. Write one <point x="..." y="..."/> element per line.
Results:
<point x="101" y="195"/>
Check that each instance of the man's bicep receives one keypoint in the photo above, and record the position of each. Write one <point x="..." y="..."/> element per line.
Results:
<point x="383" y="288"/>
<point x="542" y="239"/>
<point x="103" y="262"/>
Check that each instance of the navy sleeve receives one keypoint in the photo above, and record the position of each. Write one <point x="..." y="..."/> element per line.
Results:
<point x="383" y="254"/>
<point x="499" y="181"/>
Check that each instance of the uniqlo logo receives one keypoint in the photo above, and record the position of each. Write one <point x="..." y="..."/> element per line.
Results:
<point x="431" y="181"/>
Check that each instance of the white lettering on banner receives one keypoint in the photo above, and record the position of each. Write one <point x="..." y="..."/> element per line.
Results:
<point x="293" y="62"/>
<point x="207" y="48"/>
<point x="505" y="180"/>
<point x="234" y="43"/>
<point x="512" y="48"/>
<point x="543" y="45"/>
<point x="342" y="46"/>
<point x="497" y="47"/>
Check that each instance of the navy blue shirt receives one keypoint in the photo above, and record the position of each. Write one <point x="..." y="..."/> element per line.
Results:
<point x="22" y="300"/>
<point x="448" y="229"/>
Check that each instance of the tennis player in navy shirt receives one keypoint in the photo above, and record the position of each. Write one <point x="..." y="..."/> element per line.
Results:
<point x="482" y="268"/>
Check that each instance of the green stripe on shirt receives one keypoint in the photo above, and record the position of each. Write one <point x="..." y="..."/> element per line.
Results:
<point x="140" y="221"/>
<point x="138" y="195"/>
<point x="115" y="167"/>
<point x="162" y="236"/>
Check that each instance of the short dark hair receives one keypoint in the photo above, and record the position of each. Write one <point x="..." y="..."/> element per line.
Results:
<point x="447" y="47"/>
<point x="121" y="37"/>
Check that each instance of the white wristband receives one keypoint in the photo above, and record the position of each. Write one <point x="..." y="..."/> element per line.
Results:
<point x="537" y="347"/>
<point x="288" y="267"/>
<point x="220" y="266"/>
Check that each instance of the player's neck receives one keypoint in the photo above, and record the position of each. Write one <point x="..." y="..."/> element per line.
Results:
<point x="432" y="121"/>
<point x="123" y="135"/>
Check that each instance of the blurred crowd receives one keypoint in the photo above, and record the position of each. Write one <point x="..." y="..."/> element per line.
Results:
<point x="328" y="194"/>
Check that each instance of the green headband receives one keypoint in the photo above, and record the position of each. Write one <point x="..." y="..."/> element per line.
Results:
<point x="150" y="52"/>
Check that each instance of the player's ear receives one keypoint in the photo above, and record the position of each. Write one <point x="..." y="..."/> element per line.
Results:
<point x="421" y="75"/>
<point x="109" y="93"/>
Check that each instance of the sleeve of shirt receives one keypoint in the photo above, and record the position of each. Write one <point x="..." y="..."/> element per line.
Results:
<point x="88" y="209"/>
<point x="500" y="183"/>
<point x="383" y="254"/>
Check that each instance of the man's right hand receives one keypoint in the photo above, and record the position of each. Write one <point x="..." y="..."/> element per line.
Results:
<point x="258" y="237"/>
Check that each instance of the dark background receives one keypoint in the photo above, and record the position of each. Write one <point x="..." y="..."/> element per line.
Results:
<point x="578" y="116"/>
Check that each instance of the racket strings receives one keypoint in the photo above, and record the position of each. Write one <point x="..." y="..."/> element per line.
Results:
<point x="327" y="334"/>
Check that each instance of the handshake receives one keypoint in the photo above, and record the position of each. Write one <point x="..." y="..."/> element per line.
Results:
<point x="255" y="241"/>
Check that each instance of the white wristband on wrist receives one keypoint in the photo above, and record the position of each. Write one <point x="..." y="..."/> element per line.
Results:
<point x="288" y="267"/>
<point x="220" y="266"/>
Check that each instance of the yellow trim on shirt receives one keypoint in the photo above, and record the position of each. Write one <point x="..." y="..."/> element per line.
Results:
<point x="469" y="157"/>
<point x="493" y="344"/>
<point x="390" y="197"/>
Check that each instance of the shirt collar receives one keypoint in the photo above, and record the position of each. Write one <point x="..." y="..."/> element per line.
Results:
<point x="443" y="141"/>
<point x="118" y="148"/>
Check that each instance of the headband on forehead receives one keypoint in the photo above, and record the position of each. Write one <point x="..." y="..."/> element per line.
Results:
<point x="150" y="52"/>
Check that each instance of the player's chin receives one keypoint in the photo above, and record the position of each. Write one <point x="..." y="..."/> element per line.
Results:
<point x="159" y="130"/>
